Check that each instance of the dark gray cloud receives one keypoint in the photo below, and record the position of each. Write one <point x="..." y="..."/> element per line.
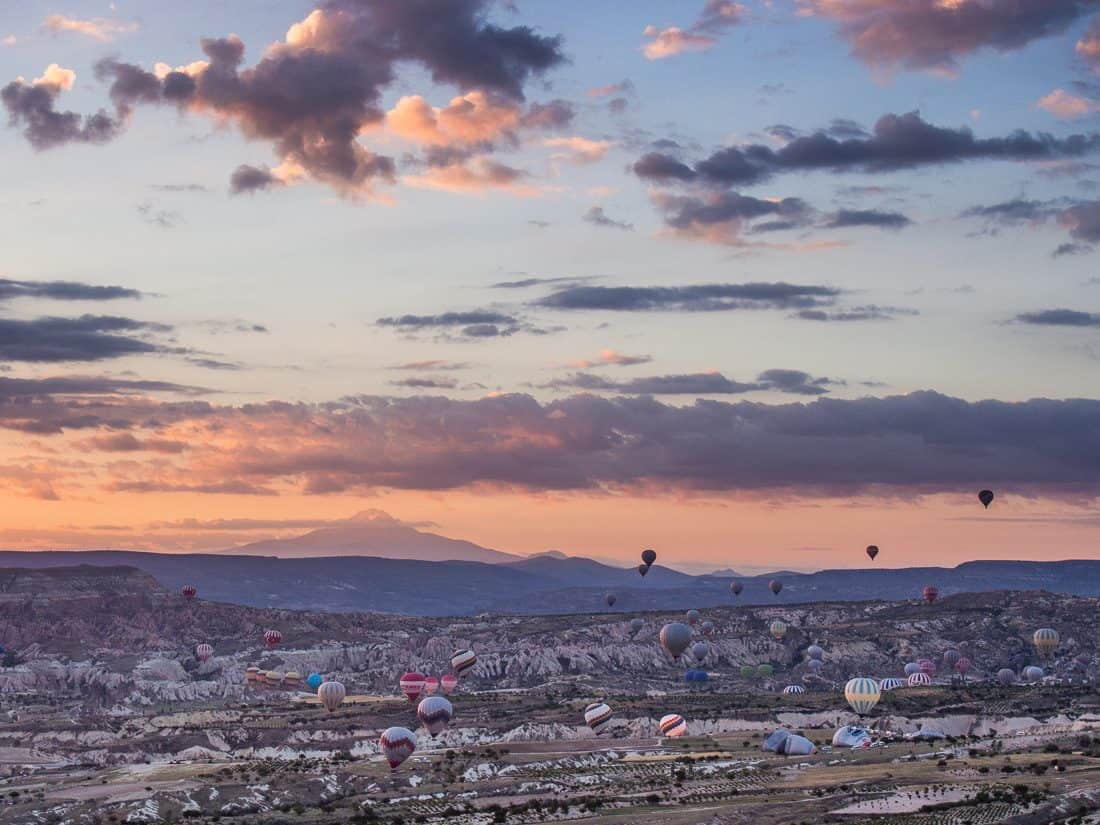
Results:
<point x="422" y="382"/>
<point x="524" y="283"/>
<point x="178" y="187"/>
<point x="310" y="99"/>
<point x="247" y="179"/>
<point x="724" y="216"/>
<point x="867" y="217"/>
<point x="1080" y="219"/>
<point x="596" y="216"/>
<point x="480" y="323"/>
<point x="87" y="338"/>
<point x="1060" y="318"/>
<point x="870" y="312"/>
<point x="155" y="216"/>
<point x="556" y="114"/>
<point x="698" y="383"/>
<point x="898" y="142"/>
<point x="22" y="388"/>
<point x="694" y="298"/>
<point x="935" y="35"/>
<point x="431" y="364"/>
<point x="63" y="291"/>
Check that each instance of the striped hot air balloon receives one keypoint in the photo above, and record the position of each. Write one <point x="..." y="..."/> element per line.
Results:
<point x="930" y="594"/>
<point x="252" y="675"/>
<point x="672" y="724"/>
<point x="778" y="630"/>
<point x="951" y="657"/>
<point x="862" y="694"/>
<point x="463" y="662"/>
<point x="598" y="716"/>
<point x="189" y="591"/>
<point x="431" y="685"/>
<point x="412" y="685"/>
<point x="675" y="637"/>
<point x="890" y="683"/>
<point x="397" y="745"/>
<point x="1033" y="673"/>
<point x="920" y="679"/>
<point x="292" y="679"/>
<point x="448" y="682"/>
<point x="1006" y="676"/>
<point x="435" y="714"/>
<point x="1046" y="640"/>
<point x="927" y="666"/>
<point x="272" y="637"/>
<point x="331" y="695"/>
<point x="273" y="678"/>
<point x="962" y="666"/>
<point x="203" y="652"/>
<point x="790" y="690"/>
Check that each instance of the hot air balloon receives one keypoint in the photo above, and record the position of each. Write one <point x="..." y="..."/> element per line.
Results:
<point x="292" y="679"/>
<point x="397" y="745"/>
<point x="648" y="557"/>
<point x="986" y="498"/>
<point x="598" y="716"/>
<point x="815" y="651"/>
<point x="862" y="694"/>
<point x="204" y="652"/>
<point x="872" y="551"/>
<point x="642" y="570"/>
<point x="273" y="678"/>
<point x="927" y="666"/>
<point x="962" y="666"/>
<point x="921" y="679"/>
<point x="252" y="675"/>
<point x="675" y="637"/>
<point x="189" y="591"/>
<point x="448" y="682"/>
<point x="431" y="685"/>
<point x="778" y="630"/>
<point x="1006" y="676"/>
<point x="707" y="628"/>
<point x="951" y="657"/>
<point x="790" y="690"/>
<point x="1033" y="673"/>
<point x="891" y="683"/>
<point x="672" y="725"/>
<point x="795" y="745"/>
<point x="463" y="662"/>
<point x="693" y="617"/>
<point x="331" y="694"/>
<point x="272" y="637"/>
<point x="435" y="714"/>
<point x="314" y="680"/>
<point x="699" y="650"/>
<point x="412" y="685"/>
<point x="815" y="665"/>
<point x="610" y="598"/>
<point x="736" y="588"/>
<point x="747" y="671"/>
<point x="852" y="736"/>
<point x="930" y="594"/>
<point x="775" y="586"/>
<point x="911" y="668"/>
<point x="766" y="670"/>
<point x="1046" y="640"/>
<point x="637" y="624"/>
<point x="774" y="740"/>
<point x="696" y="676"/>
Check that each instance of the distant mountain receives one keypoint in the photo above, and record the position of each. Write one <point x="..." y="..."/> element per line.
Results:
<point x="542" y="584"/>
<point x="374" y="533"/>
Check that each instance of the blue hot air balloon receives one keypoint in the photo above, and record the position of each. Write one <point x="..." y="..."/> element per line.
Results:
<point x="314" y="680"/>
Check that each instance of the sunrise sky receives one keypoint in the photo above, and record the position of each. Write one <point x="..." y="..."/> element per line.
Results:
<point x="756" y="284"/>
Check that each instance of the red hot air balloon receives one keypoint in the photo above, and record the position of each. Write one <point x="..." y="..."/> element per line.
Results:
<point x="962" y="666"/>
<point x="872" y="551"/>
<point x="412" y="685"/>
<point x="930" y="594"/>
<point x="272" y="637"/>
<point x="189" y="591"/>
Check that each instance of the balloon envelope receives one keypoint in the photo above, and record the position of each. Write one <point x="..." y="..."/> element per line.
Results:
<point x="911" y="668"/>
<point x="795" y="745"/>
<point x="673" y="724"/>
<point x="1046" y="640"/>
<point x="1006" y="676"/>
<point x="707" y="628"/>
<point x="643" y="569"/>
<point x="331" y="695"/>
<point x="852" y="736"/>
<point x="435" y="714"/>
<point x="189" y="591"/>
<point x="397" y="745"/>
<point x="204" y="652"/>
<point x="463" y="662"/>
<point x="598" y="716"/>
<point x="930" y="594"/>
<point x="412" y="685"/>
<point x="775" y="740"/>
<point x="985" y="497"/>
<point x="637" y="624"/>
<point x="272" y="637"/>
<point x="693" y="617"/>
<point x="862" y="694"/>
<point x="448" y="682"/>
<point x="736" y="588"/>
<point x="699" y="650"/>
<point x="775" y="586"/>
<point x="314" y="680"/>
<point x="610" y="598"/>
<point x="872" y="551"/>
<point x="951" y="657"/>
<point x="675" y="638"/>
<point x="920" y="679"/>
<point x="1033" y="673"/>
<point x="891" y="683"/>
<point x="778" y="630"/>
<point x="648" y="557"/>
<point x="431" y="685"/>
<point x="766" y="670"/>
<point x="815" y="652"/>
<point x="793" y="689"/>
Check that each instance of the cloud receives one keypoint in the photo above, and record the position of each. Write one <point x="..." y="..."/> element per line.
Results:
<point x="935" y="35"/>
<point x="870" y="312"/>
<point x="426" y="383"/>
<point x="595" y="215"/>
<point x="699" y="383"/>
<point x="529" y="282"/>
<point x="98" y="28"/>
<point x="480" y="323"/>
<point x="128" y="443"/>
<point x="24" y="388"/>
<point x="314" y="94"/>
<point x="694" y="298"/>
<point x="1062" y="104"/>
<point x="8" y="40"/>
<point x="248" y="179"/>
<point x="87" y="338"/>
<point x="723" y="217"/>
<point x="1081" y="219"/>
<point x="715" y="18"/>
<point x="63" y="291"/>
<point x="624" y="87"/>
<point x="32" y="107"/>
<point x="579" y="150"/>
<point x="431" y="364"/>
<point x="898" y="142"/>
<point x="475" y="177"/>
<point x="153" y="215"/>
<point x="1088" y="47"/>
<point x="1060" y="318"/>
<point x="610" y="357"/>
<point x="867" y="217"/>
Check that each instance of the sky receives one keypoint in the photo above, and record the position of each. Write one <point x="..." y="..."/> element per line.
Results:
<point x="755" y="284"/>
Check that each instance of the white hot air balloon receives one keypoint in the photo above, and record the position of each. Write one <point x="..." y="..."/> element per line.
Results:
<point x="435" y="714"/>
<point x="397" y="745"/>
<point x="672" y="725"/>
<point x="204" y="652"/>
<point x="598" y="716"/>
<point x="331" y="695"/>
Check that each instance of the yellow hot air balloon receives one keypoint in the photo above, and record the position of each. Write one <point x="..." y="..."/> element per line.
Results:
<point x="862" y="694"/>
<point x="778" y="630"/>
<point x="1046" y="640"/>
